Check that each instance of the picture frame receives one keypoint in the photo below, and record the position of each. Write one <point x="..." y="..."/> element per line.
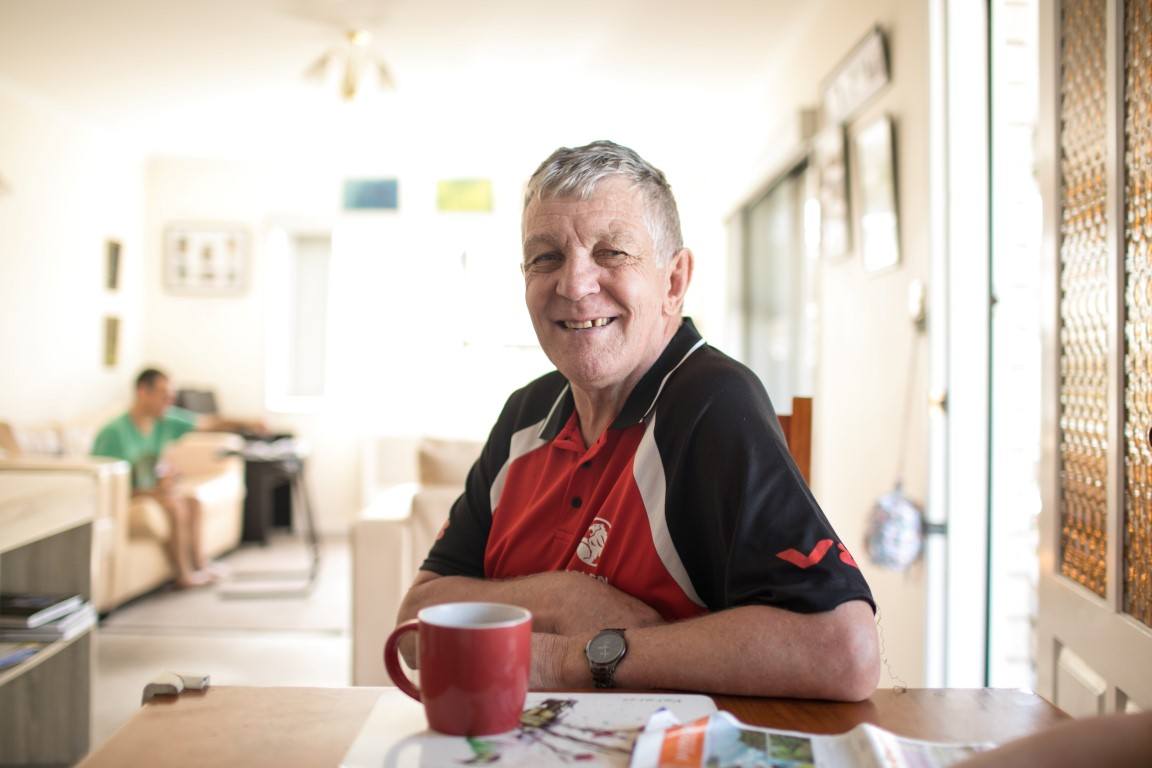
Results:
<point x="874" y="170"/>
<point x="206" y="259"/>
<point x="111" y="333"/>
<point x="371" y="194"/>
<point x="112" y="250"/>
<point x="833" y="194"/>
<point x="857" y="78"/>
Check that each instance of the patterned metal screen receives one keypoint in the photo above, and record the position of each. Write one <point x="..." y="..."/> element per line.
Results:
<point x="1083" y="295"/>
<point x="1138" y="308"/>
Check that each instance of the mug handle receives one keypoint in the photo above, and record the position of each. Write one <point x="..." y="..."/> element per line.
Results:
<point x="392" y="659"/>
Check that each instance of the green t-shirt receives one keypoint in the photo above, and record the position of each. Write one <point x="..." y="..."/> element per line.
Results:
<point x="120" y="439"/>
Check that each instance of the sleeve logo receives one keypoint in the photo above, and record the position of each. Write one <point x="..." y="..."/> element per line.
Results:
<point x="801" y="560"/>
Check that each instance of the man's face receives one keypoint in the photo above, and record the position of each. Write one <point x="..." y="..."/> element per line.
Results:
<point x="602" y="304"/>
<point x="156" y="398"/>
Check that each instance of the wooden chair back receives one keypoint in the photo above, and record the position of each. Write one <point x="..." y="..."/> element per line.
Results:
<point x="797" y="428"/>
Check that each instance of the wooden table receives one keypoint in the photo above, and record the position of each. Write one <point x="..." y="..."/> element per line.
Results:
<point x="316" y="726"/>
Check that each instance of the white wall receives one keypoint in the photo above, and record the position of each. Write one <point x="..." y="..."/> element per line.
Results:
<point x="399" y="308"/>
<point x="866" y="336"/>
<point x="70" y="188"/>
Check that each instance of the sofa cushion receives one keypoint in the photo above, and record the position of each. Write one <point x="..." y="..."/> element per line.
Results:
<point x="446" y="462"/>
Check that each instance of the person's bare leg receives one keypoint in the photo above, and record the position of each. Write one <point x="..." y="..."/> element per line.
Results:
<point x="195" y="532"/>
<point x="179" y="544"/>
<point x="207" y="570"/>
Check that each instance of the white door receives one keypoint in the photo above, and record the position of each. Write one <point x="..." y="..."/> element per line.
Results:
<point x="1094" y="625"/>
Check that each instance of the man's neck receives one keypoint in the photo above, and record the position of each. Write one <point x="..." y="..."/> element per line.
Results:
<point x="141" y="418"/>
<point x="598" y="408"/>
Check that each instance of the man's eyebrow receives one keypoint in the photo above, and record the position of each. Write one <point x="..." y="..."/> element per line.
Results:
<point x="539" y="239"/>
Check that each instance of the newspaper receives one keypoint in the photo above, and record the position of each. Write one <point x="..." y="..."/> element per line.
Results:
<point x="722" y="741"/>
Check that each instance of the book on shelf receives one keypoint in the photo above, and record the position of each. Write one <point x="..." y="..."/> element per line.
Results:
<point x="28" y="610"/>
<point x="12" y="654"/>
<point x="64" y="628"/>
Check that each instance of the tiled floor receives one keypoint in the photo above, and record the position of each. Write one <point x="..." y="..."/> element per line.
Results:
<point x="301" y="640"/>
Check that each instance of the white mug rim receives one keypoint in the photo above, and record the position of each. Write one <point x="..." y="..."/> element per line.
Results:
<point x="429" y="615"/>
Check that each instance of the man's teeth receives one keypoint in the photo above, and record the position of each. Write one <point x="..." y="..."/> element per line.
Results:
<point x="597" y="323"/>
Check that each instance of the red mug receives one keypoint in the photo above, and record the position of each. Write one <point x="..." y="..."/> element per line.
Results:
<point x="475" y="659"/>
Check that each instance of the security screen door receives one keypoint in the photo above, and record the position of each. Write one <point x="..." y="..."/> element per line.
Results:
<point x="1094" y="623"/>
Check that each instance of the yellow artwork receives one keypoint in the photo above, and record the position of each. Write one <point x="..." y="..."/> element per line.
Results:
<point x="470" y="195"/>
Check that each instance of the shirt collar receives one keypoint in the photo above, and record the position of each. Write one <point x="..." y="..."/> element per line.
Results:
<point x="644" y="396"/>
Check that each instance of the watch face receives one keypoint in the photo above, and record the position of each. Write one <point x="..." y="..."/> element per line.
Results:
<point x="606" y="647"/>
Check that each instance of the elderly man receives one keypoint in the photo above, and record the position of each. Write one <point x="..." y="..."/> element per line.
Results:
<point x="640" y="500"/>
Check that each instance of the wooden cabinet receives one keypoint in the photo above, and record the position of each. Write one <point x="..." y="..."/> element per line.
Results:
<point x="45" y="546"/>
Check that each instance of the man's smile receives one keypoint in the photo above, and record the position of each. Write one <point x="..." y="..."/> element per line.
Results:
<point x="582" y="325"/>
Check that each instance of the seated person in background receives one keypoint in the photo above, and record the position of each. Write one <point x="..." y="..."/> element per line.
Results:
<point x="140" y="437"/>
<point x="641" y="500"/>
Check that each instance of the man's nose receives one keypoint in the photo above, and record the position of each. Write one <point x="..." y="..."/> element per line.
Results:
<point x="579" y="277"/>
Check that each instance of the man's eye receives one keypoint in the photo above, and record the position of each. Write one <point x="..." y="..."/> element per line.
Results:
<point x="609" y="254"/>
<point x="543" y="262"/>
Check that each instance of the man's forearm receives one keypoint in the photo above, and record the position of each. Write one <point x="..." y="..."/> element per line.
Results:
<point x="560" y="602"/>
<point x="750" y="650"/>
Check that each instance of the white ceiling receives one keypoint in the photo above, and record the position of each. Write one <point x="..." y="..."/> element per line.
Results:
<point x="197" y="75"/>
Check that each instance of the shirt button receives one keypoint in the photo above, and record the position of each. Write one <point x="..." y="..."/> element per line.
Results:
<point x="577" y="501"/>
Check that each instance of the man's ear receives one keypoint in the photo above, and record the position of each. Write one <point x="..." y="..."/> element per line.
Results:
<point x="679" y="275"/>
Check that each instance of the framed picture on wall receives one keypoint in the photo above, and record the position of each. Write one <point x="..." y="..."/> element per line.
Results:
<point x="874" y="171"/>
<point x="832" y="182"/>
<point x="111" y="341"/>
<point x="112" y="265"/>
<point x="206" y="260"/>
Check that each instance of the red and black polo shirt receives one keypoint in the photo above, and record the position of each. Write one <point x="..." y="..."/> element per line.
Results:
<point x="689" y="502"/>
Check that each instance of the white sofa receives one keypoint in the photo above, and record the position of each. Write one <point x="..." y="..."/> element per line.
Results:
<point x="410" y="485"/>
<point x="129" y="555"/>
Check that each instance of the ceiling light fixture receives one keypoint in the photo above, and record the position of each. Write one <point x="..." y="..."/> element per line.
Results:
<point x="353" y="60"/>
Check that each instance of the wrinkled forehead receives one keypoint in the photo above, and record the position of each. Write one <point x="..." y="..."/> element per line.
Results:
<point x="613" y="190"/>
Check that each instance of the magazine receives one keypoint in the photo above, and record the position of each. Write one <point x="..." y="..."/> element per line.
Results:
<point x="722" y="741"/>
<point x="64" y="628"/>
<point x="587" y="730"/>
<point x="28" y="610"/>
<point x="12" y="654"/>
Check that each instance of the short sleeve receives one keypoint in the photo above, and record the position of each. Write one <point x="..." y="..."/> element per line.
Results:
<point x="744" y="521"/>
<point x="109" y="444"/>
<point x="179" y="422"/>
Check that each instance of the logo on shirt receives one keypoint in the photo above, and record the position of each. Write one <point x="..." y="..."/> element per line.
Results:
<point x="801" y="560"/>
<point x="595" y="538"/>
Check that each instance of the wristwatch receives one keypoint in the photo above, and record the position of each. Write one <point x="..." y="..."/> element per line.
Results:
<point x="604" y="653"/>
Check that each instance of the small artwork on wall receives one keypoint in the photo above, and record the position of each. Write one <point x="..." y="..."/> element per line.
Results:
<point x="206" y="260"/>
<point x="873" y="149"/>
<point x="111" y="341"/>
<point x="112" y="265"/>
<point x="464" y="195"/>
<point x="371" y="195"/>
<point x="832" y="179"/>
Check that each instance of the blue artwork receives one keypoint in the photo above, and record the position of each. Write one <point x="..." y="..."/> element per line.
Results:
<point x="371" y="195"/>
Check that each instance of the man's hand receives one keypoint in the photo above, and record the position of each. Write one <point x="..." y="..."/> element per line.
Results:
<point x="580" y="603"/>
<point x="562" y="603"/>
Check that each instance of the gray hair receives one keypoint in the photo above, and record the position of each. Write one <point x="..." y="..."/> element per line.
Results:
<point x="575" y="172"/>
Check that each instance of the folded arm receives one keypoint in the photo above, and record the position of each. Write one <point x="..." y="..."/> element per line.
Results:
<point x="561" y="603"/>
<point x="751" y="650"/>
